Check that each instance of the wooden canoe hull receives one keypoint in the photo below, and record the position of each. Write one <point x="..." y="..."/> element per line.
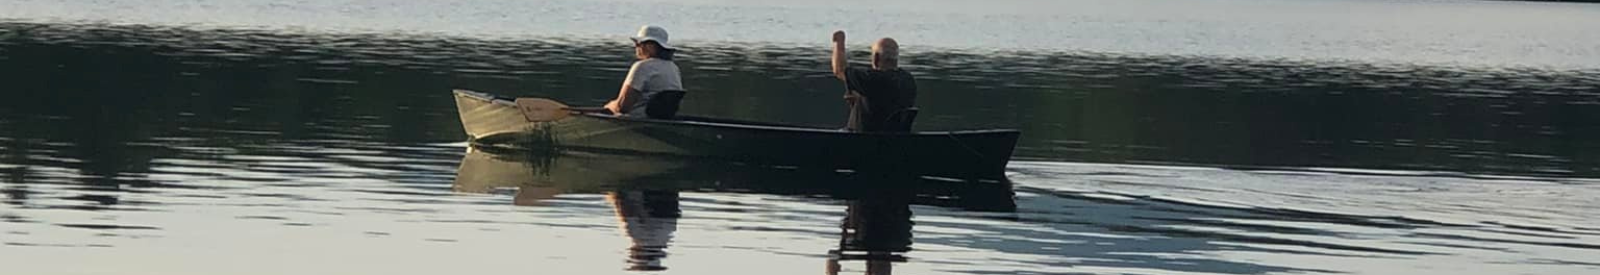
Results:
<point x="981" y="154"/>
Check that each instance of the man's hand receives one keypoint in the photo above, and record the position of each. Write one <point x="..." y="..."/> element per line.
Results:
<point x="838" y="36"/>
<point x="612" y="106"/>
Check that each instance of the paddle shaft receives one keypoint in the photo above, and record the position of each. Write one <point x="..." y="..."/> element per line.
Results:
<point x="589" y="109"/>
<point x="542" y="109"/>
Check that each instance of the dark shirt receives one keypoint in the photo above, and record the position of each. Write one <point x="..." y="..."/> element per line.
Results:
<point x="882" y="94"/>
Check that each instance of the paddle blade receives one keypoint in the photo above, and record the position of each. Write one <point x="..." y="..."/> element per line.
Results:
<point x="541" y="109"/>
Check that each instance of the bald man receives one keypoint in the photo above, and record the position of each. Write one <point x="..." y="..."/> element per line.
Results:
<point x="877" y="93"/>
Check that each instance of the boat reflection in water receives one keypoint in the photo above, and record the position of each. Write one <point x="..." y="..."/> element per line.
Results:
<point x="644" y="190"/>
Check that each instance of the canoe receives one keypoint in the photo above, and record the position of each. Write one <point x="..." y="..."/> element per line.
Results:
<point x="496" y="121"/>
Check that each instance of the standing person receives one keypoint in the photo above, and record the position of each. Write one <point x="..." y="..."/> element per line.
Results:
<point x="874" y="94"/>
<point x="653" y="73"/>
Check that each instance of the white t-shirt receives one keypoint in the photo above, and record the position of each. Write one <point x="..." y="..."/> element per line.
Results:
<point x="650" y="76"/>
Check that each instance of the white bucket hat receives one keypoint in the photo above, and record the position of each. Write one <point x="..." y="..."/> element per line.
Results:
<point x="652" y="33"/>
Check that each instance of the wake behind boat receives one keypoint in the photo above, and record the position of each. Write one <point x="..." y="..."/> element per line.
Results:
<point x="497" y="121"/>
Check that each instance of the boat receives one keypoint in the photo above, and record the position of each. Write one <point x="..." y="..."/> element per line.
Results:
<point x="497" y="121"/>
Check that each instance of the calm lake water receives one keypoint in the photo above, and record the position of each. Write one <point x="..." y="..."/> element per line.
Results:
<point x="1160" y="137"/>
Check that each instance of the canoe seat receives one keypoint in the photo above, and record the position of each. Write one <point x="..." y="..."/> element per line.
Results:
<point x="900" y="121"/>
<point x="664" y="105"/>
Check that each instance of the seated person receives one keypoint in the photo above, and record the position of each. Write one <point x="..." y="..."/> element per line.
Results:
<point x="653" y="73"/>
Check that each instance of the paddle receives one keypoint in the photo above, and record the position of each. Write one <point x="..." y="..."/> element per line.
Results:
<point x="543" y="109"/>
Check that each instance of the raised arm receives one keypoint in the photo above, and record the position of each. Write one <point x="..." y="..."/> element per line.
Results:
<point x="839" y="62"/>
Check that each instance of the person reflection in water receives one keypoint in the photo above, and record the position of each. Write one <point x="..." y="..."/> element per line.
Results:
<point x="649" y="219"/>
<point x="876" y="230"/>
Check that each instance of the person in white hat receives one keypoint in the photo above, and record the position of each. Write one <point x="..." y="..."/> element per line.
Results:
<point x="653" y="73"/>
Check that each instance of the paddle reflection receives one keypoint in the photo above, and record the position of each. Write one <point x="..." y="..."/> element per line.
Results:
<point x="876" y="229"/>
